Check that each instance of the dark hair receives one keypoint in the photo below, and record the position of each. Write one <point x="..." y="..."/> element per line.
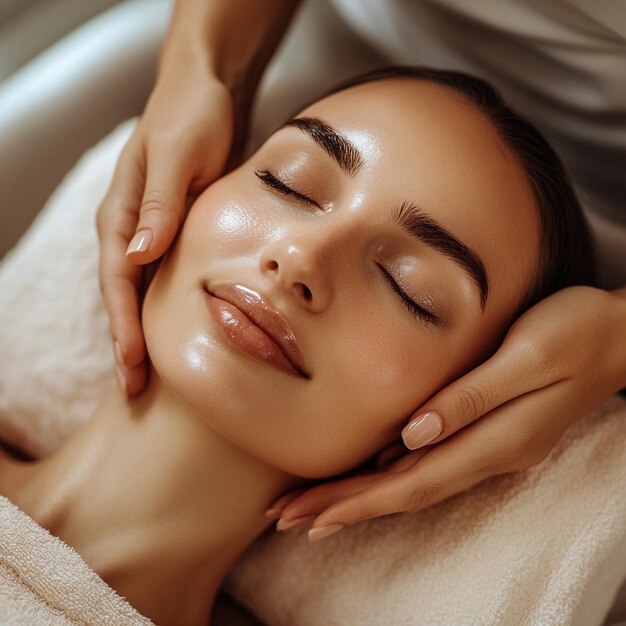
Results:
<point x="567" y="256"/>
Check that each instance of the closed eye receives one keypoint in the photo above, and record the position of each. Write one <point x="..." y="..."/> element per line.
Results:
<point x="269" y="180"/>
<point x="415" y="309"/>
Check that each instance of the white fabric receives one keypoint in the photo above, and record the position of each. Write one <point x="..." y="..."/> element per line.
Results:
<point x="547" y="546"/>
<point x="562" y="63"/>
<point x="45" y="582"/>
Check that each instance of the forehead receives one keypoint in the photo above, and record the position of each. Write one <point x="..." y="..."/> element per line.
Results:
<point x="424" y="143"/>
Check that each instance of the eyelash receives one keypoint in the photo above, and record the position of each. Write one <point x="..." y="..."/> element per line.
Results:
<point x="269" y="180"/>
<point x="415" y="309"/>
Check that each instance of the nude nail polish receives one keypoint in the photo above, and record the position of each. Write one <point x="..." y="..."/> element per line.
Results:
<point x="324" y="531"/>
<point x="140" y="242"/>
<point x="283" y="501"/>
<point x="296" y="521"/>
<point x="273" y="513"/>
<point x="423" y="429"/>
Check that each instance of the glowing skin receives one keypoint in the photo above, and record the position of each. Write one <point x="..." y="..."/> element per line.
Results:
<point x="173" y="484"/>
<point x="371" y="361"/>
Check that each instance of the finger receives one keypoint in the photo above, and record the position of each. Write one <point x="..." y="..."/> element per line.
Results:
<point x="407" y="460"/>
<point x="510" y="373"/>
<point x="389" y="454"/>
<point x="277" y="507"/>
<point x="513" y="437"/>
<point x="320" y="497"/>
<point x="162" y="207"/>
<point x="119" y="283"/>
<point x="317" y="498"/>
<point x="279" y="504"/>
<point x="449" y="468"/>
<point x="119" y="279"/>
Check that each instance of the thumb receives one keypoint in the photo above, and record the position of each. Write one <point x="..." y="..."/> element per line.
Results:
<point x="503" y="377"/>
<point x="161" y="211"/>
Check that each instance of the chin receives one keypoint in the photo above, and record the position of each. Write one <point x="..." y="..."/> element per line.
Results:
<point x="260" y="410"/>
<point x="221" y="387"/>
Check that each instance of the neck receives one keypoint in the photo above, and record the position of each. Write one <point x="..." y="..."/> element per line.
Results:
<point x="157" y="502"/>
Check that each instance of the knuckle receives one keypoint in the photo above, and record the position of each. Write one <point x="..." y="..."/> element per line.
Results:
<point x="542" y="356"/>
<point x="513" y="462"/>
<point x="527" y="347"/>
<point x="524" y="454"/>
<point x="153" y="203"/>
<point x="536" y="455"/>
<point x="421" y="496"/>
<point x="470" y="402"/>
<point x="162" y="141"/>
<point x="496" y="463"/>
<point x="538" y="352"/>
<point x="517" y="455"/>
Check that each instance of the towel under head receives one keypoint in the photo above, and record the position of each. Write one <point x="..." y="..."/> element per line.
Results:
<point x="545" y="546"/>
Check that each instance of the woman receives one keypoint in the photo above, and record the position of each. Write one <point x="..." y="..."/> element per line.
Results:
<point x="561" y="63"/>
<point x="389" y="234"/>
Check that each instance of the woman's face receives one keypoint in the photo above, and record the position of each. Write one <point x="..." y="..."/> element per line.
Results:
<point x="377" y="258"/>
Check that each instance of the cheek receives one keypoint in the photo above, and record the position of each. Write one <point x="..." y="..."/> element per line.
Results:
<point x="241" y="399"/>
<point x="229" y="221"/>
<point x="372" y="378"/>
<point x="386" y="377"/>
<point x="389" y="362"/>
<point x="220" y="228"/>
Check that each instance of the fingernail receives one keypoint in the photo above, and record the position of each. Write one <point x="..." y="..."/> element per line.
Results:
<point x="118" y="352"/>
<point x="324" y="531"/>
<point x="296" y="521"/>
<point x="283" y="501"/>
<point x="273" y="513"/>
<point x="140" y="242"/>
<point x="122" y="379"/>
<point x="422" y="429"/>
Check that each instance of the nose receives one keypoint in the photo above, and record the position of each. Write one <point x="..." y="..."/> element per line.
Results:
<point x="300" y="266"/>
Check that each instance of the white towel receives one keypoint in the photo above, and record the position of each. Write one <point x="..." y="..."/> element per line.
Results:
<point x="44" y="581"/>
<point x="545" y="546"/>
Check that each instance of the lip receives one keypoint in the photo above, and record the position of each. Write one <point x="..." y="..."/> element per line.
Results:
<point x="253" y="326"/>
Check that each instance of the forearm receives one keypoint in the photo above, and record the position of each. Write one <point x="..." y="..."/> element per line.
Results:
<point x="231" y="40"/>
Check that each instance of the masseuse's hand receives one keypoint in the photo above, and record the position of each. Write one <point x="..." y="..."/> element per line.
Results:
<point x="181" y="144"/>
<point x="559" y="359"/>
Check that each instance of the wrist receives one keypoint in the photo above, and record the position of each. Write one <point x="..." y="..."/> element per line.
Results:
<point x="192" y="60"/>
<point x="185" y="57"/>
<point x="231" y="42"/>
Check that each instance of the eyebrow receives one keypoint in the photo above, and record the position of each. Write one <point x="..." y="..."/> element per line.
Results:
<point x="425" y="228"/>
<point x="408" y="216"/>
<point x="343" y="151"/>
